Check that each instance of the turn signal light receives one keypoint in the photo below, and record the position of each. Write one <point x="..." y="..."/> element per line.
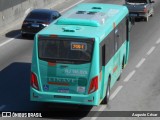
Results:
<point x="34" y="81"/>
<point x="93" y="85"/>
<point x="145" y="10"/>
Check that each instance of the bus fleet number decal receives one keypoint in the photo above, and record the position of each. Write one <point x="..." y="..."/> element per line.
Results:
<point x="78" y="46"/>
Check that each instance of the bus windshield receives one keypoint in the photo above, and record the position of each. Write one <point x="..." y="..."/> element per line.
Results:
<point x="65" y="50"/>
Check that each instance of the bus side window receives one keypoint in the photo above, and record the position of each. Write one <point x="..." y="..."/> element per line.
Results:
<point x="120" y="27"/>
<point x="108" y="47"/>
<point x="124" y="30"/>
<point x="118" y="37"/>
<point x="103" y="55"/>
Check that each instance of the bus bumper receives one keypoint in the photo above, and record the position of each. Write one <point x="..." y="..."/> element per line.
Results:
<point x="39" y="96"/>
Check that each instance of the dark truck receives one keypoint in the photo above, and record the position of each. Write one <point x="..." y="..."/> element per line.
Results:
<point x="140" y="8"/>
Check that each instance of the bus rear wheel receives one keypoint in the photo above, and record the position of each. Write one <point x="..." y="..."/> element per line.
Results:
<point x="106" y="99"/>
<point x="24" y="35"/>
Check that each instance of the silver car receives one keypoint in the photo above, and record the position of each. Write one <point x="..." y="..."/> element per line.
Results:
<point x="140" y="8"/>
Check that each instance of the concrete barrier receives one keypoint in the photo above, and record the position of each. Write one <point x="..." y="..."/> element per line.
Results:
<point x="11" y="10"/>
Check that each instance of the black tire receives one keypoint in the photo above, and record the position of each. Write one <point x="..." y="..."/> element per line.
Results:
<point x="123" y="63"/>
<point x="106" y="98"/>
<point x="23" y="35"/>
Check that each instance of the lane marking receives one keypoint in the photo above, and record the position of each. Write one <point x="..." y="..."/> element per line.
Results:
<point x="158" y="41"/>
<point x="140" y="63"/>
<point x="71" y="6"/>
<point x="93" y="118"/>
<point x="151" y="50"/>
<point x="115" y="92"/>
<point x="102" y="108"/>
<point x="2" y="107"/>
<point x="129" y="76"/>
<point x="2" y="44"/>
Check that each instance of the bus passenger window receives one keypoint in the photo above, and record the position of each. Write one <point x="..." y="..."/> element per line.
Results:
<point x="103" y="55"/>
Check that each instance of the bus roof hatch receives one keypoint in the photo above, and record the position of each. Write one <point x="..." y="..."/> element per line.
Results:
<point x="84" y="18"/>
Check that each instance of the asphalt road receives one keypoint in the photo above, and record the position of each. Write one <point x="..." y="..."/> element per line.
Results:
<point x="137" y="90"/>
